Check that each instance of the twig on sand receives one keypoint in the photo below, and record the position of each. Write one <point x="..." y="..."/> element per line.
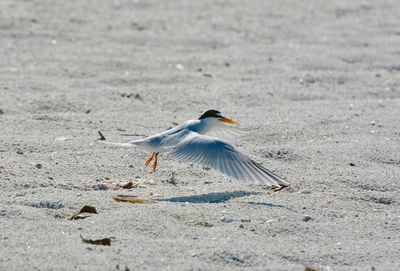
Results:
<point x="101" y="136"/>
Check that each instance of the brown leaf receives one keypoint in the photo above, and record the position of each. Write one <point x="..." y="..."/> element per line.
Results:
<point x="203" y="224"/>
<point x="103" y="242"/>
<point x="129" y="198"/>
<point x="84" y="209"/>
<point x="129" y="185"/>
<point x="125" y="95"/>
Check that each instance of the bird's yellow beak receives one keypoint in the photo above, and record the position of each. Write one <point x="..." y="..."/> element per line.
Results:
<point x="223" y="119"/>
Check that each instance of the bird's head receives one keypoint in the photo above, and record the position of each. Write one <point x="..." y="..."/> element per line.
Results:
<point x="216" y="115"/>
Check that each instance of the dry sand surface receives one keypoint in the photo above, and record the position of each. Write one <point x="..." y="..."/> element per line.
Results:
<point x="317" y="83"/>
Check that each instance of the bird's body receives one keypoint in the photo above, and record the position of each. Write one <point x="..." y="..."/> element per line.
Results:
<point x="197" y="141"/>
<point x="160" y="142"/>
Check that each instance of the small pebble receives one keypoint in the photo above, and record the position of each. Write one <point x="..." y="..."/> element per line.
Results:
<point x="137" y="96"/>
<point x="39" y="166"/>
<point x="227" y="220"/>
<point x="61" y="138"/>
<point x="305" y="191"/>
<point x="270" y="221"/>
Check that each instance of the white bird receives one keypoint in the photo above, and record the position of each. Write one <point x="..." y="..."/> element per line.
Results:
<point x="197" y="141"/>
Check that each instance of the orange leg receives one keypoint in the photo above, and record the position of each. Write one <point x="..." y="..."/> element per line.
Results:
<point x="155" y="162"/>
<point x="150" y="159"/>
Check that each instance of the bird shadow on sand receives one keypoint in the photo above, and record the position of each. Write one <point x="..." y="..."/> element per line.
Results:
<point x="211" y="197"/>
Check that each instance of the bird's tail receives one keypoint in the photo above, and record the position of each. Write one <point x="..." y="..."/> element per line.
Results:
<point x="120" y="144"/>
<point x="102" y="139"/>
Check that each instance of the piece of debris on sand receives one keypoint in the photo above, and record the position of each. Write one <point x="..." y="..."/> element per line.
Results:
<point x="103" y="242"/>
<point x="84" y="209"/>
<point x="130" y="198"/>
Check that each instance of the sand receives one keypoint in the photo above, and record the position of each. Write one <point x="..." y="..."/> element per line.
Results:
<point x="315" y="82"/>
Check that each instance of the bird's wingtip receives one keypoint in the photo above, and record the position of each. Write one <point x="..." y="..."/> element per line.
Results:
<point x="279" y="187"/>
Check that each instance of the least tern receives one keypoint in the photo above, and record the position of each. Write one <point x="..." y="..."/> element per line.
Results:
<point x="197" y="141"/>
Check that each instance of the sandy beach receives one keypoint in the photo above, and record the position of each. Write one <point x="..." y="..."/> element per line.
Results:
<point x="316" y="84"/>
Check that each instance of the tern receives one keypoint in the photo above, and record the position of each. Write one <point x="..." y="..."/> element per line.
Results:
<point x="198" y="141"/>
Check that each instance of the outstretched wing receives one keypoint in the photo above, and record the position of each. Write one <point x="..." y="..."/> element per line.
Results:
<point x="227" y="132"/>
<point x="223" y="157"/>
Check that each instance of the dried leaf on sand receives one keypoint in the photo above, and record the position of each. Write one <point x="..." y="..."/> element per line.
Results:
<point x="129" y="185"/>
<point x="84" y="209"/>
<point x="103" y="242"/>
<point x="130" y="199"/>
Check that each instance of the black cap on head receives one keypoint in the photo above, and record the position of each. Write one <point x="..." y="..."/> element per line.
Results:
<point x="211" y="114"/>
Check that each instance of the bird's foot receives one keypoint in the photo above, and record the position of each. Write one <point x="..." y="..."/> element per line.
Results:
<point x="155" y="162"/>
<point x="150" y="159"/>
